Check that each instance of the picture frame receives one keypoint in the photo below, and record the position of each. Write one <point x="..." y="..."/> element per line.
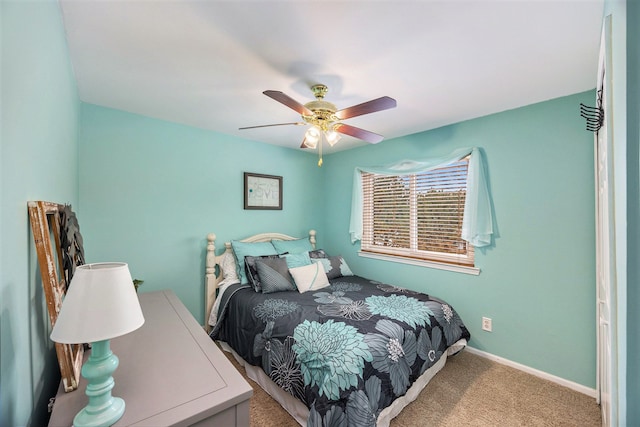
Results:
<point x="55" y="232"/>
<point x="262" y="192"/>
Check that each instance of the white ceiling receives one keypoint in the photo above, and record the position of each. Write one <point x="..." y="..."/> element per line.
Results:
<point x="206" y="63"/>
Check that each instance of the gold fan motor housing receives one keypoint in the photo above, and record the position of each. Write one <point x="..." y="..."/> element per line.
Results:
<point x="323" y="111"/>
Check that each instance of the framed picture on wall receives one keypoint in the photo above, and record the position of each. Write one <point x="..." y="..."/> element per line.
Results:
<point x="262" y="191"/>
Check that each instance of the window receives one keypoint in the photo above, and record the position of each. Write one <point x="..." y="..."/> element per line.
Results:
<point x="417" y="216"/>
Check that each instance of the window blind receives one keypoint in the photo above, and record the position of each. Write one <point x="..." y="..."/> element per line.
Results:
<point x="417" y="216"/>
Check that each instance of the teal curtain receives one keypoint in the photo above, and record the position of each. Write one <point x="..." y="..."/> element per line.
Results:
<point x="477" y="223"/>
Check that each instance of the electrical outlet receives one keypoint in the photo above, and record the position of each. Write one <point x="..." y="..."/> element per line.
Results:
<point x="486" y="324"/>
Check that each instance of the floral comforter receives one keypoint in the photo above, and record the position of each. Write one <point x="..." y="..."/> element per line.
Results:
<point x="347" y="351"/>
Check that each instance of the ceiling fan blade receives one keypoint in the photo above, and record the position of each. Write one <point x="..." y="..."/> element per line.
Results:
<point x="383" y="103"/>
<point x="289" y="102"/>
<point x="365" y="135"/>
<point x="275" y="124"/>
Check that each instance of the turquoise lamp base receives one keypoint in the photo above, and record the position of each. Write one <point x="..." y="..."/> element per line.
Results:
<point x="103" y="409"/>
<point x="105" y="418"/>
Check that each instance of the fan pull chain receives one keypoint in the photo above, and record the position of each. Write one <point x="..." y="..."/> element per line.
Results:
<point x="320" y="150"/>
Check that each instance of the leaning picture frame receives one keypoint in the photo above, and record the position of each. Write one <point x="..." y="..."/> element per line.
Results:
<point x="262" y="191"/>
<point x="58" y="246"/>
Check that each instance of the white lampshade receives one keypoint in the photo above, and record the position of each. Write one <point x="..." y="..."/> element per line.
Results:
<point x="332" y="137"/>
<point x="101" y="304"/>
<point x="310" y="143"/>
<point x="312" y="136"/>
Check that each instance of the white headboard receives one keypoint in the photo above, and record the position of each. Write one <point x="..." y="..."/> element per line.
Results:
<point x="212" y="280"/>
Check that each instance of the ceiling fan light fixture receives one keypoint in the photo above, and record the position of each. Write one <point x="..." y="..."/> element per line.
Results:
<point x="309" y="144"/>
<point x="332" y="137"/>
<point x="325" y="119"/>
<point x="312" y="136"/>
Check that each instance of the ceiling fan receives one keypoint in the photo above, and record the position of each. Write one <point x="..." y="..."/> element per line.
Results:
<point x="325" y="118"/>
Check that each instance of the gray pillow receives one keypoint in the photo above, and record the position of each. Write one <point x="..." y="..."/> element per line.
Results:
<point x="274" y="275"/>
<point x="251" y="270"/>
<point x="335" y="266"/>
<point x="318" y="253"/>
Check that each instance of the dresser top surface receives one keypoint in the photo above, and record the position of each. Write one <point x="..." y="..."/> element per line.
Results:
<point x="170" y="370"/>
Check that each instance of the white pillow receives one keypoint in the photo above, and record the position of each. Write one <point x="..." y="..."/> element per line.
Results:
<point x="228" y="266"/>
<point x="309" y="277"/>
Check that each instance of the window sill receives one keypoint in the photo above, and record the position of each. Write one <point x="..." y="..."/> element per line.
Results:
<point x="475" y="271"/>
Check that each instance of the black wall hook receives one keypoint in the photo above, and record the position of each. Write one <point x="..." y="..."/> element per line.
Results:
<point x="593" y="115"/>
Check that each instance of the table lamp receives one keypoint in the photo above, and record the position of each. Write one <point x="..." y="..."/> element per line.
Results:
<point x="101" y="303"/>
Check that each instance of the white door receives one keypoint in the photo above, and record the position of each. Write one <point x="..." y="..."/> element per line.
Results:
<point x="605" y="244"/>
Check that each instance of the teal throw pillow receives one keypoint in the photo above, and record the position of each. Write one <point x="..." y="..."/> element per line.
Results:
<point x="292" y="246"/>
<point x="297" y="260"/>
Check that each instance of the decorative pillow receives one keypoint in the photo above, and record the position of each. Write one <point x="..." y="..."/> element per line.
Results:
<point x="251" y="270"/>
<point x="243" y="249"/>
<point x="229" y="269"/>
<point x="292" y="246"/>
<point x="297" y="260"/>
<point x="310" y="277"/>
<point x="318" y="253"/>
<point x="274" y="275"/>
<point x="335" y="266"/>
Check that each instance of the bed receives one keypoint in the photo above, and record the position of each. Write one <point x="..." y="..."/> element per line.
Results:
<point x="333" y="348"/>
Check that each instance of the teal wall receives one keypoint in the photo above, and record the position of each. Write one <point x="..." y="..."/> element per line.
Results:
<point x="625" y="55"/>
<point x="633" y="211"/>
<point x="150" y="192"/>
<point x="538" y="280"/>
<point x="617" y="10"/>
<point x="39" y="150"/>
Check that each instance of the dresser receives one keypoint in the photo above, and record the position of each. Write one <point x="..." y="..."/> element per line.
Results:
<point x="170" y="374"/>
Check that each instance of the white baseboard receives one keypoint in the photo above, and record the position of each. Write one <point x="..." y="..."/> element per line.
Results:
<point x="561" y="381"/>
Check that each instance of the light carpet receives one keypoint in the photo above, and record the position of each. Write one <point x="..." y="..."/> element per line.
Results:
<point x="469" y="391"/>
